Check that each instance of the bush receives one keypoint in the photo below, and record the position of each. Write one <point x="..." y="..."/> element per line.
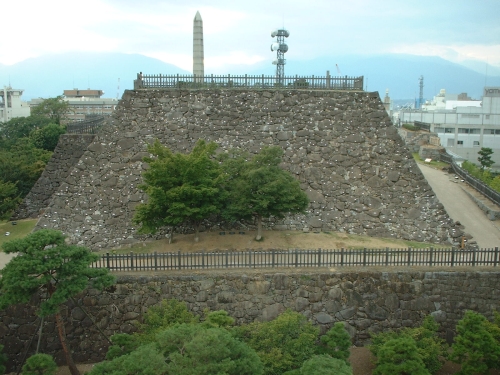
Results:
<point x="400" y="356"/>
<point x="336" y="342"/>
<point x="40" y="364"/>
<point x="475" y="347"/>
<point x="325" y="365"/>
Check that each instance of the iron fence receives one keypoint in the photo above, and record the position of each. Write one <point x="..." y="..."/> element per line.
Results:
<point x="155" y="81"/>
<point x="410" y="257"/>
<point x="86" y="127"/>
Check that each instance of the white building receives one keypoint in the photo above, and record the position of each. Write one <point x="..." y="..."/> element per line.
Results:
<point x="11" y="105"/>
<point x="463" y="126"/>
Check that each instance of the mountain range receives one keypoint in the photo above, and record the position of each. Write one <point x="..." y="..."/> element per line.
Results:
<point x="48" y="76"/>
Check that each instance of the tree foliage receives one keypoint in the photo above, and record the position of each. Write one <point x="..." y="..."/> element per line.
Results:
<point x="40" y="364"/>
<point x="46" y="264"/>
<point x="47" y="137"/>
<point x="282" y="344"/>
<point x="399" y="356"/>
<point x="55" y="109"/>
<point x="485" y="157"/>
<point x="180" y="187"/>
<point x="474" y="346"/>
<point x="325" y="365"/>
<point x="9" y="199"/>
<point x="336" y="342"/>
<point x="258" y="188"/>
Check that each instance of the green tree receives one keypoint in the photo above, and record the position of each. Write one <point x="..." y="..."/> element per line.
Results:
<point x="9" y="199"/>
<point x="282" y="344"/>
<point x="40" y="364"/>
<point x="55" y="109"/>
<point x="325" y="365"/>
<point x="485" y="157"/>
<point x="195" y="350"/>
<point x="180" y="187"/>
<point x="46" y="264"/>
<point x="20" y="127"/>
<point x="259" y="188"/>
<point x="3" y="361"/>
<point x="336" y="342"/>
<point x="47" y="137"/>
<point x="474" y="346"/>
<point x="145" y="360"/>
<point x="400" y="356"/>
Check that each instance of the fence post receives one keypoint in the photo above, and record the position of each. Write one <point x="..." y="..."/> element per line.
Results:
<point x="107" y="260"/>
<point x="250" y="258"/>
<point x="296" y="258"/>
<point x="342" y="257"/>
<point x="409" y="256"/>
<point x="496" y="257"/>
<point x="474" y="258"/>
<point x="272" y="258"/>
<point x="179" y="262"/>
<point x="131" y="260"/>
<point x="364" y="257"/>
<point x="430" y="256"/>
<point x="452" y="256"/>
<point x="203" y="259"/>
<point x="156" y="261"/>
<point x="386" y="256"/>
<point x="319" y="257"/>
<point x="227" y="258"/>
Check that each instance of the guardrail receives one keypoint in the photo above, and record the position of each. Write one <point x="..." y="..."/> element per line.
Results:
<point x="409" y="257"/>
<point x="85" y="127"/>
<point x="156" y="81"/>
<point x="480" y="186"/>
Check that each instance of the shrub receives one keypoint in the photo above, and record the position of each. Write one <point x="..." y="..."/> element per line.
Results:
<point x="400" y="356"/>
<point x="40" y="364"/>
<point x="336" y="342"/>
<point x="325" y="365"/>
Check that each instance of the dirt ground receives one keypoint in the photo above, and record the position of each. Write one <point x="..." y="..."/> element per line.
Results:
<point x="242" y="240"/>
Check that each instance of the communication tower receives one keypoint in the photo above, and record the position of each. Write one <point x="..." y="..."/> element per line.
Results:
<point x="421" y="96"/>
<point x="280" y="47"/>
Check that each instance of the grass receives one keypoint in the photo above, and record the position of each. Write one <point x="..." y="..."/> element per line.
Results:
<point x="434" y="163"/>
<point x="20" y="230"/>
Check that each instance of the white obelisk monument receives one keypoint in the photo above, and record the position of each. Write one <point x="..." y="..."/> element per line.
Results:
<point x="198" y="63"/>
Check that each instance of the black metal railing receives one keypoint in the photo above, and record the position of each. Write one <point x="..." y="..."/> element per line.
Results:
<point x="410" y="257"/>
<point x="479" y="185"/>
<point x="178" y="81"/>
<point x="86" y="127"/>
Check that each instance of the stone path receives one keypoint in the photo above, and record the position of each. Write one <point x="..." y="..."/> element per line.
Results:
<point x="461" y="207"/>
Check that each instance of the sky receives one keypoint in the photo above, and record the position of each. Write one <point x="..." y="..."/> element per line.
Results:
<point x="239" y="32"/>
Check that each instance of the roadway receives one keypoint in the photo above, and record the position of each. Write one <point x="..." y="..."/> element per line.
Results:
<point x="460" y="207"/>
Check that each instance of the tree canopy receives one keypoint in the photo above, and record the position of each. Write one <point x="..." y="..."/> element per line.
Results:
<point x="259" y="188"/>
<point x="485" y="157"/>
<point x="56" y="109"/>
<point x="180" y="187"/>
<point x="46" y="264"/>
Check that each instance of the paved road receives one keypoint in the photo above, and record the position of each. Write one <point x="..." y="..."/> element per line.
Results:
<point x="461" y="208"/>
<point x="4" y="259"/>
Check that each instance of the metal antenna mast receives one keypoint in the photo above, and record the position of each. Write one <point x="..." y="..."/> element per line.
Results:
<point x="421" y="96"/>
<point x="280" y="47"/>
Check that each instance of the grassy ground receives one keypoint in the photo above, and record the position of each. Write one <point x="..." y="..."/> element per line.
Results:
<point x="434" y="163"/>
<point x="21" y="229"/>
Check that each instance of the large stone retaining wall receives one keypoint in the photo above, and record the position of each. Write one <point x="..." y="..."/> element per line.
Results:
<point x="367" y="301"/>
<point x="67" y="153"/>
<point x="355" y="168"/>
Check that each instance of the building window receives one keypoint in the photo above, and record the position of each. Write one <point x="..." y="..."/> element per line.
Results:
<point x="475" y="144"/>
<point x="460" y="143"/>
<point x="469" y="115"/>
<point x="449" y="130"/>
<point x="468" y="131"/>
<point x="439" y="130"/>
<point x="487" y="117"/>
<point x="491" y="131"/>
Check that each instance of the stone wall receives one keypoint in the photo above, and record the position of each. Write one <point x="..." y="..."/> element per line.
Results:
<point x="367" y="301"/>
<point x="67" y="153"/>
<point x="341" y="146"/>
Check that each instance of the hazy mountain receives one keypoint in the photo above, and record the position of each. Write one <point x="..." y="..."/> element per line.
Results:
<point x="48" y="76"/>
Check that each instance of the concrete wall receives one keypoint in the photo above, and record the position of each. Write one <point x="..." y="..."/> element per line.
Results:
<point x="355" y="168"/>
<point x="367" y="301"/>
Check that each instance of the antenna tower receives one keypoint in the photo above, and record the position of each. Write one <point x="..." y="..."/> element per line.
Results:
<point x="421" y="96"/>
<point x="280" y="47"/>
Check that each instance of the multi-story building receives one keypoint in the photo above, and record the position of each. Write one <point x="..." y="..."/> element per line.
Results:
<point x="83" y="103"/>
<point x="11" y="105"/>
<point x="463" y="126"/>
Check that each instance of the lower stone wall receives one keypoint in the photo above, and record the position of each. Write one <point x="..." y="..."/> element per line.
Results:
<point x="367" y="301"/>
<point x="67" y="153"/>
